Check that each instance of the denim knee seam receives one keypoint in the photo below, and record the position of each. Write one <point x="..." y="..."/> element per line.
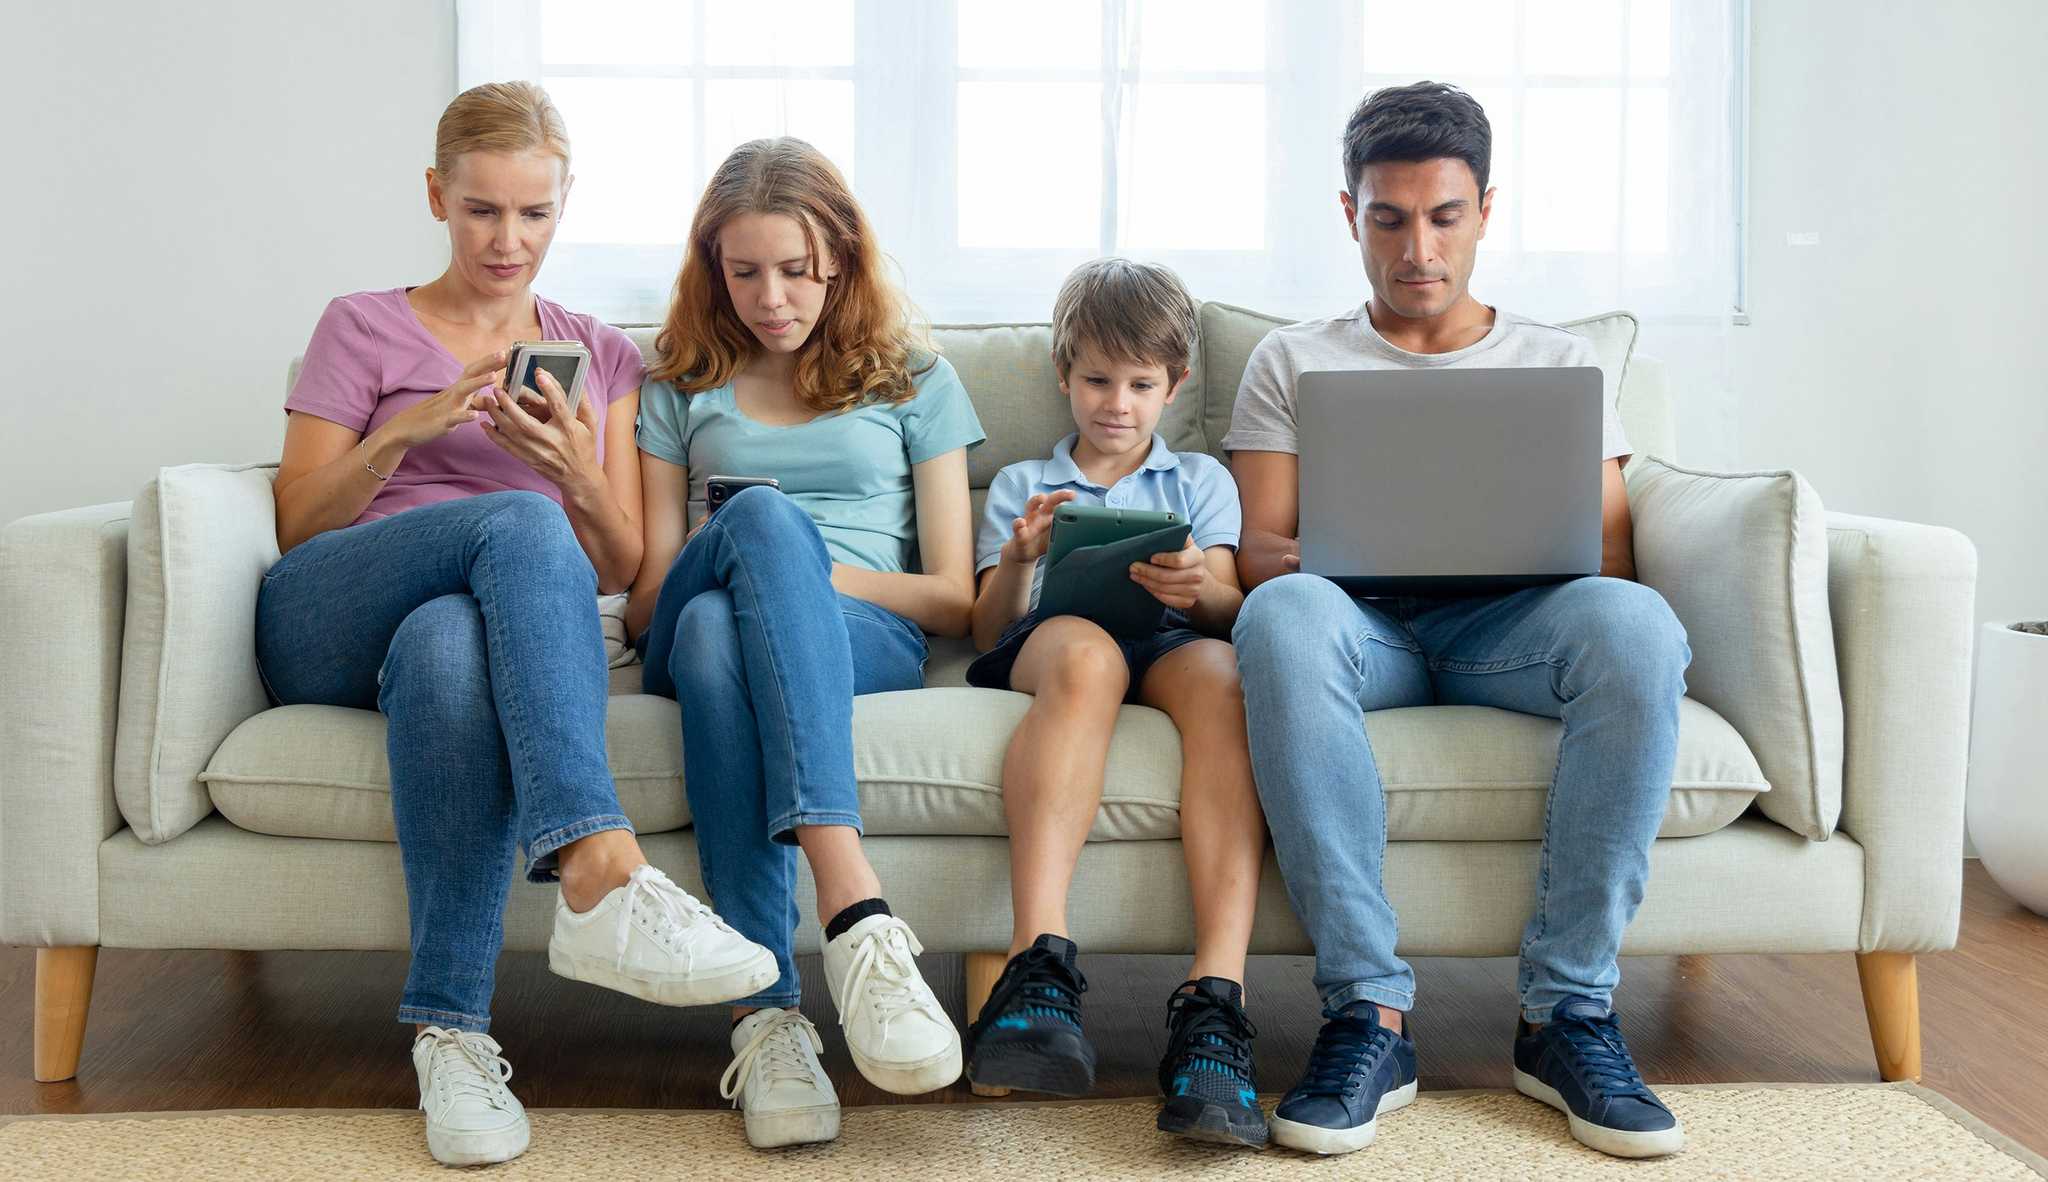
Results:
<point x="446" y="1019"/>
<point x="543" y="847"/>
<point x="774" y="659"/>
<point x="1539" y="924"/>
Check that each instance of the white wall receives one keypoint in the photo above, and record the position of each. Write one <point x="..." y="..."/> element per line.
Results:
<point x="1891" y="362"/>
<point x="186" y="186"/>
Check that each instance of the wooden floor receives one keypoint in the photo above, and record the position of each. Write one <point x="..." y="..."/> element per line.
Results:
<point x="198" y="1030"/>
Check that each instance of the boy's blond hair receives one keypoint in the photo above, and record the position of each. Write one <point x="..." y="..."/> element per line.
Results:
<point x="1133" y="312"/>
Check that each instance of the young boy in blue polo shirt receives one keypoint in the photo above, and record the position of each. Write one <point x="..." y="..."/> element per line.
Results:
<point x="1123" y="333"/>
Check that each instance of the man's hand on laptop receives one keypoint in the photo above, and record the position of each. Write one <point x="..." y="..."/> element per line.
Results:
<point x="1267" y="555"/>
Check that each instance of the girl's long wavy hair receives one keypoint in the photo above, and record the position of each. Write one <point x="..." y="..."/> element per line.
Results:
<point x="862" y="347"/>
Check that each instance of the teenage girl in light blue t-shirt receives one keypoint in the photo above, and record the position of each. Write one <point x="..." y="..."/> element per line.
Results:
<point x="786" y="354"/>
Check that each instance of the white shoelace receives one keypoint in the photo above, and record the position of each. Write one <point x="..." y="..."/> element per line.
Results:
<point x="775" y="1052"/>
<point x="676" y="912"/>
<point x="468" y="1064"/>
<point x="883" y="974"/>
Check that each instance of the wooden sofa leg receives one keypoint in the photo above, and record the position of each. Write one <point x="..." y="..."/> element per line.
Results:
<point x="983" y="968"/>
<point x="63" y="995"/>
<point x="1891" y="1001"/>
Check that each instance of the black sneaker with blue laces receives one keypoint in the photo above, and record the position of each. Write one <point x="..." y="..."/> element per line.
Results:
<point x="1578" y="1064"/>
<point x="1358" y="1070"/>
<point x="1206" y="1075"/>
<point x="1029" y="1034"/>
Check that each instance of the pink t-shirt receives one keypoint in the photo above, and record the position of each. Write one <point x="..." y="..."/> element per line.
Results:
<point x="370" y="358"/>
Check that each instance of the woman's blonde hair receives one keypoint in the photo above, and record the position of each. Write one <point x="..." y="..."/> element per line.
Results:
<point x="860" y="350"/>
<point x="500" y="117"/>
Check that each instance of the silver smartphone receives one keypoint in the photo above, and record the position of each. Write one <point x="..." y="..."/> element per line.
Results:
<point x="565" y="361"/>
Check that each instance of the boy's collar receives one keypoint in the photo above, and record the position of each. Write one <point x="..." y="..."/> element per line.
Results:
<point x="1061" y="469"/>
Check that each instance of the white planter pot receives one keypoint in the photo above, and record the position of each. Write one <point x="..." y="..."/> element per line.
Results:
<point x="2008" y="793"/>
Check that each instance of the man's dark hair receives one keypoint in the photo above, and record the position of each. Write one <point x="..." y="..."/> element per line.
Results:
<point x="1421" y="121"/>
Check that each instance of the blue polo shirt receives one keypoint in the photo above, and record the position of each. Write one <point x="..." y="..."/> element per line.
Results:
<point x="1190" y="483"/>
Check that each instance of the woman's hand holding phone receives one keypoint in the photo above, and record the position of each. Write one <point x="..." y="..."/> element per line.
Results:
<point x="1177" y="579"/>
<point x="430" y="418"/>
<point x="563" y="449"/>
<point x="1031" y="534"/>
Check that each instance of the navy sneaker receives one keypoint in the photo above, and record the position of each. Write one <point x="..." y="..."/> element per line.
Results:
<point x="1358" y="1070"/>
<point x="1029" y="1034"/>
<point x="1206" y="1075"/>
<point x="1578" y="1064"/>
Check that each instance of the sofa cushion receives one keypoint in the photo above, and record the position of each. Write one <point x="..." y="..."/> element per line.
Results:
<point x="200" y="540"/>
<point x="321" y="771"/>
<point x="1743" y="560"/>
<point x="1008" y="372"/>
<point x="930" y="761"/>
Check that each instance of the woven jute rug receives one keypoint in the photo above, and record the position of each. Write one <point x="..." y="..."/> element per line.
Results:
<point x="1759" y="1132"/>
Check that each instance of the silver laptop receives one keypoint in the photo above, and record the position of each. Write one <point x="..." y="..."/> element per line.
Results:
<point x="1449" y="481"/>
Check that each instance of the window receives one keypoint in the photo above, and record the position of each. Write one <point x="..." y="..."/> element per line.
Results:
<point x="994" y="145"/>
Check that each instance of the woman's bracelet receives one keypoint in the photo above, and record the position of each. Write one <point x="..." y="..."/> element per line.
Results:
<point x="365" y="448"/>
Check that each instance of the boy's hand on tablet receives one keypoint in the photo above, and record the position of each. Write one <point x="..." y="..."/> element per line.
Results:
<point x="1177" y="579"/>
<point x="1031" y="534"/>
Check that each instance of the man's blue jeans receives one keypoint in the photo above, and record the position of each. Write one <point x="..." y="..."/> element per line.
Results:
<point x="766" y="658"/>
<point x="1604" y="655"/>
<point x="472" y="624"/>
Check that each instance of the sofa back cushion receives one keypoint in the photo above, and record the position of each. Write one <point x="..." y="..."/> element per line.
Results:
<point x="199" y="541"/>
<point x="1008" y="372"/>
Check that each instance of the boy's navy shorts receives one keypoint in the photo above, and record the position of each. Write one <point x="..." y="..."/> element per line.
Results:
<point x="991" y="670"/>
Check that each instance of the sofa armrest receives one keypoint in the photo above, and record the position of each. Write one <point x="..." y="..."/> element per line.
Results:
<point x="1903" y="599"/>
<point x="63" y="584"/>
<point x="203" y="536"/>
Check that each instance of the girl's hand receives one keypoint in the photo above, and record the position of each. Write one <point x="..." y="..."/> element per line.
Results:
<point x="1031" y="534"/>
<point x="431" y="418"/>
<point x="1177" y="579"/>
<point x="562" y="449"/>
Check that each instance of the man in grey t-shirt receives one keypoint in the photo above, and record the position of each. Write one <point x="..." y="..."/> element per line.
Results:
<point x="1605" y="655"/>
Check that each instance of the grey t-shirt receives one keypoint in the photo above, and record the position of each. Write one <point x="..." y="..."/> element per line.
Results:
<point x="1263" y="417"/>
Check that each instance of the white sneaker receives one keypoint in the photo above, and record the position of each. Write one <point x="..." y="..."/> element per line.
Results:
<point x="776" y="1080"/>
<point x="472" y="1117"/>
<point x="653" y="940"/>
<point x="899" y="1036"/>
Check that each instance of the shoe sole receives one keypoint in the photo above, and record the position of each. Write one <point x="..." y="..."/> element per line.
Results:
<point x="1022" y="1067"/>
<point x="479" y="1147"/>
<point x="748" y="978"/>
<point x="1612" y="1142"/>
<point x="1317" y="1139"/>
<point x="1213" y="1123"/>
<point x="793" y="1126"/>
<point x="911" y="1079"/>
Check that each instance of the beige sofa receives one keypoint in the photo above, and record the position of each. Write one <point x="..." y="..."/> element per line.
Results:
<point x="151" y="798"/>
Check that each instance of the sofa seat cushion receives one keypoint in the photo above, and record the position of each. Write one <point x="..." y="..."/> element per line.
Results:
<point x="930" y="763"/>
<point x="321" y="771"/>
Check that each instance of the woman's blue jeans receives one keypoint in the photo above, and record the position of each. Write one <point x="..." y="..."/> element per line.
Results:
<point x="766" y="658"/>
<point x="472" y="625"/>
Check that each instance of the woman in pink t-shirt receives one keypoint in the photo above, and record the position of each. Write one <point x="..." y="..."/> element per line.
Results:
<point x="443" y="546"/>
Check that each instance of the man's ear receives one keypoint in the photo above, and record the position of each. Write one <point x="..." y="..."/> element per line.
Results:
<point x="1350" y="204"/>
<point x="1486" y="209"/>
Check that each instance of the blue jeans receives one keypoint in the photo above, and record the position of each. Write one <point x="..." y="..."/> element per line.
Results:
<point x="766" y="658"/>
<point x="472" y="624"/>
<point x="1604" y="655"/>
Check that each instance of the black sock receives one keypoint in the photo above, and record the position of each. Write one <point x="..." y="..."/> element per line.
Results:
<point x="853" y="915"/>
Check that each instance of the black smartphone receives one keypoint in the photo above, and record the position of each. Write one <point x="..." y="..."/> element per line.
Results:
<point x="719" y="489"/>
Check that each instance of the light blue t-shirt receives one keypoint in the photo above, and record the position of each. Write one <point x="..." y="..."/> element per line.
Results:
<point x="850" y="471"/>
<point x="1189" y="483"/>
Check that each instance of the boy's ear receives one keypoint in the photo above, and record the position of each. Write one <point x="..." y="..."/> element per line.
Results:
<point x="1182" y="380"/>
